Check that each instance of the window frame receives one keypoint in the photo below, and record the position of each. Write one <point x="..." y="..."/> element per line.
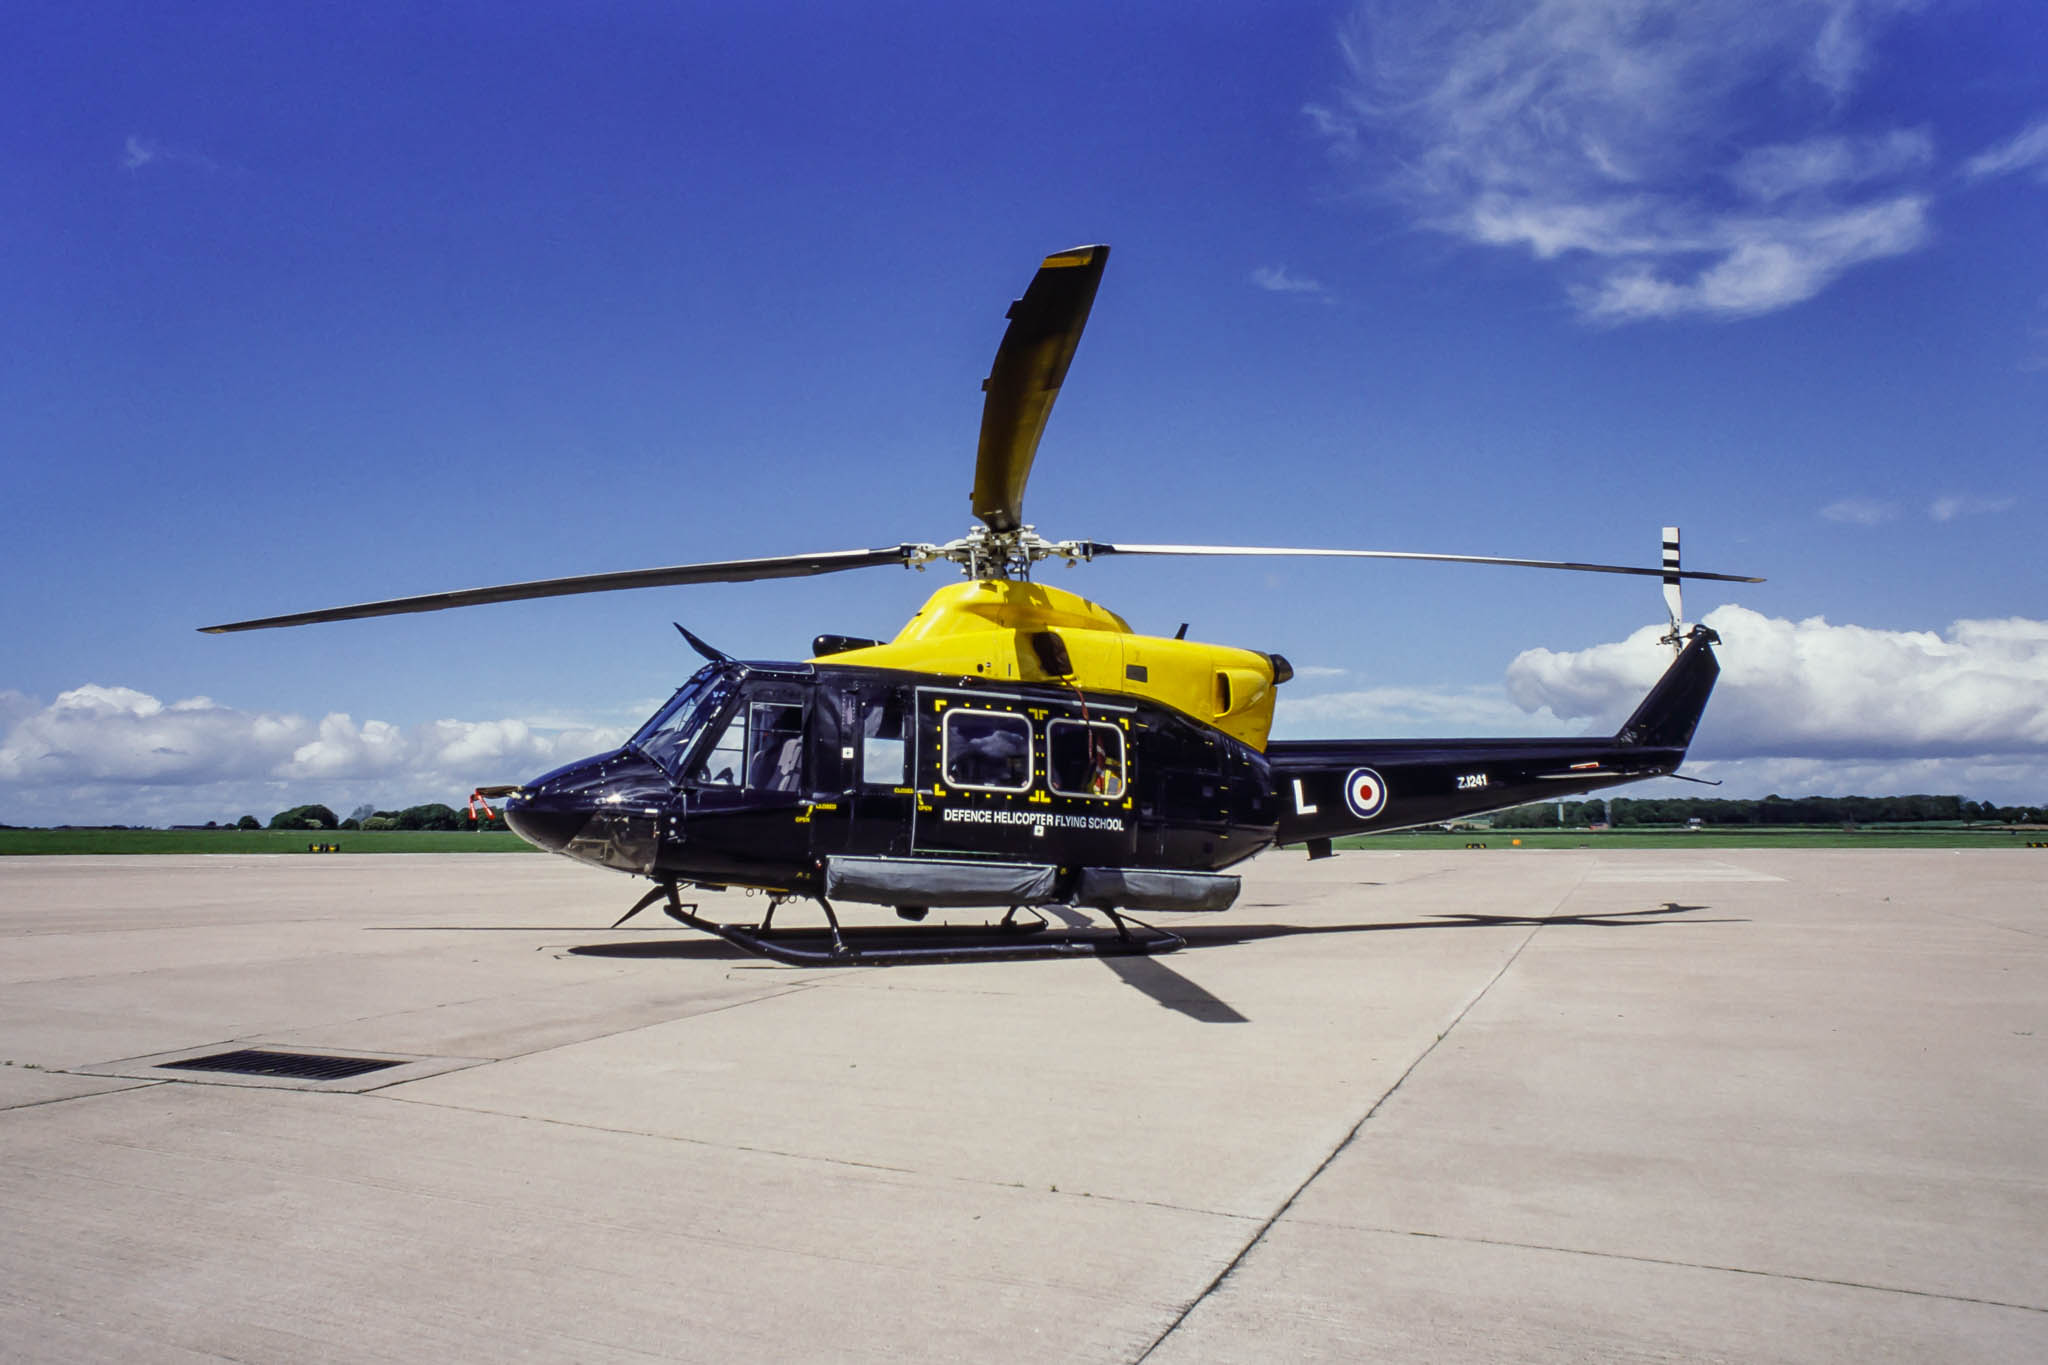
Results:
<point x="879" y="704"/>
<point x="1123" y="767"/>
<point x="946" y="749"/>
<point x="755" y="730"/>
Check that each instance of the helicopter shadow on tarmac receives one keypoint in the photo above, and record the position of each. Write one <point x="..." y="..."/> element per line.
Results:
<point x="1162" y="984"/>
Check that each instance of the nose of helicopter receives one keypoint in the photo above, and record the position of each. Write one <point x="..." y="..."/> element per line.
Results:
<point x="551" y="811"/>
<point x="545" y="826"/>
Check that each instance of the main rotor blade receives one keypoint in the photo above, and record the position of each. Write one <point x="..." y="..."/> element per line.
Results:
<point x="1094" y="548"/>
<point x="724" y="571"/>
<point x="1045" y="327"/>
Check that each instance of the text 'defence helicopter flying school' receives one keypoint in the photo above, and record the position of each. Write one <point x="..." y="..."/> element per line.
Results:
<point x="1017" y="746"/>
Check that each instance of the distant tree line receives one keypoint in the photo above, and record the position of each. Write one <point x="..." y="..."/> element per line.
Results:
<point x="433" y="815"/>
<point x="1769" y="810"/>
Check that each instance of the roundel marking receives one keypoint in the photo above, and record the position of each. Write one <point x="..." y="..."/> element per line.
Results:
<point x="1365" y="791"/>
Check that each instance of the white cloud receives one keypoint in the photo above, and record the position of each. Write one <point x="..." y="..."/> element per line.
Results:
<point x="1860" y="511"/>
<point x="2003" y="782"/>
<point x="1607" y="135"/>
<point x="1278" y="279"/>
<point x="138" y="152"/>
<point x="1812" y="690"/>
<point x="1963" y="505"/>
<point x="2025" y="150"/>
<point x="1768" y="174"/>
<point x="1410" y="712"/>
<point x="103" y="752"/>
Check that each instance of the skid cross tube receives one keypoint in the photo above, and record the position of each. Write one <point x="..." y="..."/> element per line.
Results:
<point x="1009" y="940"/>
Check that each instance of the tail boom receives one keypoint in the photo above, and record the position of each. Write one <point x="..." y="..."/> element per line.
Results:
<point x="1331" y="788"/>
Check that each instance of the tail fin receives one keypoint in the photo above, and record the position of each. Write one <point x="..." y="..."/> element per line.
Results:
<point x="1669" y="715"/>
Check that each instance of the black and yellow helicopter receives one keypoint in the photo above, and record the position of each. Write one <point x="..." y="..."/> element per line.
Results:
<point x="1017" y="747"/>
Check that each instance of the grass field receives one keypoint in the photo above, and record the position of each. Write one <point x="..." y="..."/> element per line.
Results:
<point x="1787" y="836"/>
<point x="29" y="841"/>
<point x="57" y="841"/>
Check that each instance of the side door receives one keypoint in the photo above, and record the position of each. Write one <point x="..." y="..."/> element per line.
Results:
<point x="745" y="790"/>
<point x="976" y="762"/>
<point x="1091" y="775"/>
<point x="862" y="794"/>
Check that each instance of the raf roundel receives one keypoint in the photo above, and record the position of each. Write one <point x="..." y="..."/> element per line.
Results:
<point x="1365" y="791"/>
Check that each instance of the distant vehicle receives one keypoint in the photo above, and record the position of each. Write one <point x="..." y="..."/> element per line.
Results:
<point x="1017" y="746"/>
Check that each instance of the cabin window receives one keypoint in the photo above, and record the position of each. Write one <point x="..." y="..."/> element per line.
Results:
<point x="1085" y="758"/>
<point x="776" y="747"/>
<point x="882" y="753"/>
<point x="987" y="749"/>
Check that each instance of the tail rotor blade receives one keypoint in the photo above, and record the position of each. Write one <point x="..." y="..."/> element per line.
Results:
<point x="1674" y="596"/>
<point x="1045" y="327"/>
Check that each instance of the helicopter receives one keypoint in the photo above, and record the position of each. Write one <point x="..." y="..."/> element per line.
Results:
<point x="1016" y="746"/>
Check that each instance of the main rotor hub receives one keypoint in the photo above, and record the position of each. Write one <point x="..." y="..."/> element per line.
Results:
<point x="1006" y="555"/>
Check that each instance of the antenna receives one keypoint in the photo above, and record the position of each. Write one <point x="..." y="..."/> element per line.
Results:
<point x="715" y="655"/>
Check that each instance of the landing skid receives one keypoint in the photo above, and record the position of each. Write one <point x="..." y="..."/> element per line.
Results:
<point x="1009" y="940"/>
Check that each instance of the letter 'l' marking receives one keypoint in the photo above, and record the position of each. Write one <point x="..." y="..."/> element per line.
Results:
<point x="1301" y="805"/>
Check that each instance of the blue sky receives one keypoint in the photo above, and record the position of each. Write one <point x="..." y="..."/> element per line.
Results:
<point x="325" y="303"/>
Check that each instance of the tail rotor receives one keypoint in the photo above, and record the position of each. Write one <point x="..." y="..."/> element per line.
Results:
<point x="1674" y="599"/>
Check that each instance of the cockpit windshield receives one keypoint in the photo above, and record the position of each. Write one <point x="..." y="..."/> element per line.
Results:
<point x="668" y="736"/>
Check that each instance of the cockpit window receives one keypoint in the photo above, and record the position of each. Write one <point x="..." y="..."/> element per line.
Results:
<point x="724" y="762"/>
<point x="762" y="746"/>
<point x="776" y="746"/>
<point x="669" y="735"/>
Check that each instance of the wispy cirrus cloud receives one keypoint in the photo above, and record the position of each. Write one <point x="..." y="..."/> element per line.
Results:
<point x="1278" y="279"/>
<point x="1966" y="505"/>
<point x="2026" y="150"/>
<point x="1860" y="511"/>
<point x="138" y="152"/>
<point x="1613" y="137"/>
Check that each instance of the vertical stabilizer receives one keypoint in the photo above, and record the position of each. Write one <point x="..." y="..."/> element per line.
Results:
<point x="1671" y="712"/>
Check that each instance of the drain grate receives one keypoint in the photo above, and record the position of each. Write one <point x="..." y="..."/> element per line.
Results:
<point x="301" y="1066"/>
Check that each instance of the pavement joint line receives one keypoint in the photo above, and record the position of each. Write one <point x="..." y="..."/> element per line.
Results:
<point x="2012" y="928"/>
<point x="88" y="1095"/>
<point x="791" y="989"/>
<point x="1331" y="1156"/>
<point x="637" y="1132"/>
<point x="1687" y="1265"/>
<point x="977" y="1181"/>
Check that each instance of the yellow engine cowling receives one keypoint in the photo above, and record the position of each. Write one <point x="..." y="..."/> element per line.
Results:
<point x="986" y="628"/>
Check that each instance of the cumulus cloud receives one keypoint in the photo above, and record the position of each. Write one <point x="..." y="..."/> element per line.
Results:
<point x="1410" y="712"/>
<point x="2025" y="150"/>
<point x="1813" y="690"/>
<point x="116" y="753"/>
<point x="1609" y="135"/>
<point x="1860" y="511"/>
<point x="1278" y="279"/>
<point x="2003" y="782"/>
